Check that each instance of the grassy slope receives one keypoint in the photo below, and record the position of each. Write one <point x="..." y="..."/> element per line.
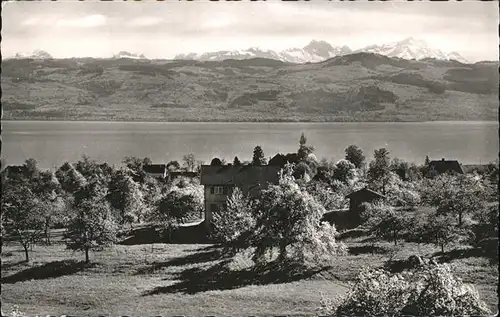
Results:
<point x="233" y="91"/>
<point x="188" y="280"/>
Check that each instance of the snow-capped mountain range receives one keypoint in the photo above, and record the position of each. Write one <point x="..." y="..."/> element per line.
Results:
<point x="317" y="51"/>
<point x="411" y="48"/>
<point x="40" y="54"/>
<point x="36" y="54"/>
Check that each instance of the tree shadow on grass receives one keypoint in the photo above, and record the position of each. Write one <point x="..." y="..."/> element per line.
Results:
<point x="195" y="258"/>
<point x="9" y="265"/>
<point x="353" y="234"/>
<point x="398" y="266"/>
<point x="367" y="249"/>
<point x="221" y="277"/>
<point x="146" y="235"/>
<point x="209" y="247"/>
<point x="181" y="235"/>
<point x="46" y="271"/>
<point x="369" y="239"/>
<point x="465" y="253"/>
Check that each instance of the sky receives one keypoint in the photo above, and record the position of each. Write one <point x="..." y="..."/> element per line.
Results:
<point x="164" y="29"/>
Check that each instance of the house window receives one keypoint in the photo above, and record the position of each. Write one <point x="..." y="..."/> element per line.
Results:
<point x="218" y="190"/>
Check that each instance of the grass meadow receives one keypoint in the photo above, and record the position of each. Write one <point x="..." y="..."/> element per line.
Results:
<point x="198" y="280"/>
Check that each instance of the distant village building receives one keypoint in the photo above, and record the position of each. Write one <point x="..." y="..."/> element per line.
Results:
<point x="445" y="167"/>
<point x="181" y="173"/>
<point x="300" y="171"/>
<point x="161" y="171"/>
<point x="219" y="181"/>
<point x="156" y="170"/>
<point x="281" y="160"/>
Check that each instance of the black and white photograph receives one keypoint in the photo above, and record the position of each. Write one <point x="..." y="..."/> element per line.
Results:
<point x="249" y="158"/>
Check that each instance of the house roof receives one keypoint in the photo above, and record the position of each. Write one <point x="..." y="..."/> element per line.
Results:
<point x="155" y="168"/>
<point x="365" y="192"/>
<point x="14" y="169"/>
<point x="281" y="159"/>
<point x="239" y="175"/>
<point x="443" y="166"/>
<point x="183" y="173"/>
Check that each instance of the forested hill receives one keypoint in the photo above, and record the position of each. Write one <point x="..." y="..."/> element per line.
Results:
<point x="356" y="87"/>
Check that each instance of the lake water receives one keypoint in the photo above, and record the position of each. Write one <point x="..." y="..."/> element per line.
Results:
<point x="52" y="143"/>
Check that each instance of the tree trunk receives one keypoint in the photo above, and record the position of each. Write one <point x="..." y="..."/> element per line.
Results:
<point x="395" y="237"/>
<point x="25" y="246"/>
<point x="283" y="255"/>
<point x="47" y="232"/>
<point x="442" y="248"/>
<point x="86" y="255"/>
<point x="459" y="219"/>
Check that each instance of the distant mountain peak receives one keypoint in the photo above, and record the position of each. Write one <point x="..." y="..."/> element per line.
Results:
<point x="318" y="45"/>
<point x="36" y="54"/>
<point x="318" y="42"/>
<point x="125" y="54"/>
<point x="411" y="48"/>
<point x="412" y="40"/>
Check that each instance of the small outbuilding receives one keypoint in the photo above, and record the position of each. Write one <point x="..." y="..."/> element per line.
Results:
<point x="364" y="195"/>
<point x="351" y="218"/>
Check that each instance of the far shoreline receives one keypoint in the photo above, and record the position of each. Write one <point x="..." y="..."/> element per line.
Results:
<point x="247" y="121"/>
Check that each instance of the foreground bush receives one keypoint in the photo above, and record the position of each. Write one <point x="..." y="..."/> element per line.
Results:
<point x="431" y="290"/>
<point x="230" y="223"/>
<point x="289" y="219"/>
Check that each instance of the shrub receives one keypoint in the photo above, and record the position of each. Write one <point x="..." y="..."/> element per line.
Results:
<point x="180" y="205"/>
<point x="93" y="227"/>
<point x="385" y="222"/>
<point x="457" y="195"/>
<point x="288" y="218"/>
<point x="429" y="290"/>
<point x="233" y="221"/>
<point x="22" y="215"/>
<point x="441" y="230"/>
<point x="487" y="224"/>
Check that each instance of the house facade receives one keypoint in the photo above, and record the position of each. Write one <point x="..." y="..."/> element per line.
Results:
<point x="219" y="182"/>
